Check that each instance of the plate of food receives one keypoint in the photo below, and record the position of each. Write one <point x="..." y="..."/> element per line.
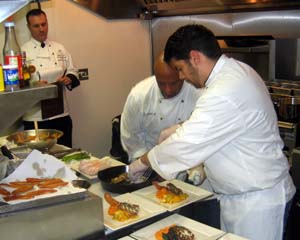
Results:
<point x="173" y="194"/>
<point x="89" y="167"/>
<point x="33" y="188"/>
<point x="127" y="209"/>
<point x="38" y="176"/>
<point x="176" y="226"/>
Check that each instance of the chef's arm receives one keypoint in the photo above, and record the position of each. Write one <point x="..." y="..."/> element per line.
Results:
<point x="70" y="76"/>
<point x="145" y="160"/>
<point x="164" y="134"/>
<point x="74" y="81"/>
<point x="195" y="175"/>
<point x="132" y="132"/>
<point x="167" y="132"/>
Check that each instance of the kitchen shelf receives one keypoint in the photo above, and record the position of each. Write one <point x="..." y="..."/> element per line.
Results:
<point x="14" y="104"/>
<point x="10" y="7"/>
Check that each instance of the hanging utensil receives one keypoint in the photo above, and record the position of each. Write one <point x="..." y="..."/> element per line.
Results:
<point x="6" y="152"/>
<point x="36" y="128"/>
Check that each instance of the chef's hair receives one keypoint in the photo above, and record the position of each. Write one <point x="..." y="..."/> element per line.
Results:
<point x="34" y="12"/>
<point x="192" y="37"/>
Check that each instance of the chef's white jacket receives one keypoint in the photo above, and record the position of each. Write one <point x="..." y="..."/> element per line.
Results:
<point x="50" y="62"/>
<point x="147" y="112"/>
<point x="233" y="131"/>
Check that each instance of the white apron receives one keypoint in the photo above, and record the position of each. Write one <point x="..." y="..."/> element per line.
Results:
<point x="257" y="215"/>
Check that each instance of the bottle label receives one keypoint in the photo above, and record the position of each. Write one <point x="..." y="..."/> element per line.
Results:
<point x="15" y="60"/>
<point x="1" y="80"/>
<point x="11" y="76"/>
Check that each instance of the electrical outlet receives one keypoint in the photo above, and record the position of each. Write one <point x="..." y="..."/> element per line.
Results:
<point x="83" y="74"/>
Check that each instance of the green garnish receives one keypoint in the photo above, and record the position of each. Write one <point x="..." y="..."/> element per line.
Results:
<point x="76" y="156"/>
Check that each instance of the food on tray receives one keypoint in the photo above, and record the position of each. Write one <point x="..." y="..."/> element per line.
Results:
<point x="4" y="192"/>
<point x="124" y="177"/>
<point x="120" y="178"/>
<point x="174" y="232"/>
<point x="77" y="156"/>
<point x="121" y="211"/>
<point x="30" y="188"/>
<point x="170" y="193"/>
<point x="90" y="167"/>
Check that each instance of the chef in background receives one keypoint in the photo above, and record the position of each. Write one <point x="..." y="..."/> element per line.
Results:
<point x="53" y="64"/>
<point x="233" y="130"/>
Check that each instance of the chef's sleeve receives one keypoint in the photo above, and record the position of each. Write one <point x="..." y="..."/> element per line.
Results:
<point x="213" y="124"/>
<point x="132" y="133"/>
<point x="72" y="71"/>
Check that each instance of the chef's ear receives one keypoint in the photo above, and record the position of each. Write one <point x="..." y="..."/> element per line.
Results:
<point x="195" y="57"/>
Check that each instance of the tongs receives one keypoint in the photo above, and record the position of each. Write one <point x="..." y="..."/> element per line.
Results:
<point x="6" y="152"/>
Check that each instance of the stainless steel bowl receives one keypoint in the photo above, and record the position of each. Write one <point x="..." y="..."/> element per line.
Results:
<point x="47" y="138"/>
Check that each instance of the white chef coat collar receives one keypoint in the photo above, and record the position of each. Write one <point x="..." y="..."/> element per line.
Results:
<point x="216" y="69"/>
<point x="37" y="43"/>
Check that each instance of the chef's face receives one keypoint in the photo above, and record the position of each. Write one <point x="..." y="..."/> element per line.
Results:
<point x="169" y="83"/>
<point x="188" y="72"/>
<point x="38" y="27"/>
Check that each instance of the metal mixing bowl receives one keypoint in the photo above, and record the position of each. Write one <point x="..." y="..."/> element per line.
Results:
<point x="47" y="138"/>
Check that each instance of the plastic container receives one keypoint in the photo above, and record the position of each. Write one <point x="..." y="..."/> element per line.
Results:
<point x="11" y="78"/>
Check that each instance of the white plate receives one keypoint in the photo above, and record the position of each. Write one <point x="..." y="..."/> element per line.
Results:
<point x="230" y="236"/>
<point x="106" y="162"/>
<point x="126" y="238"/>
<point x="195" y="194"/>
<point x="147" y="209"/>
<point x="201" y="231"/>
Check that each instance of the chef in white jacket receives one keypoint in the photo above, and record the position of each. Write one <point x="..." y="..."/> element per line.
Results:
<point x="233" y="131"/>
<point x="156" y="103"/>
<point x="53" y="64"/>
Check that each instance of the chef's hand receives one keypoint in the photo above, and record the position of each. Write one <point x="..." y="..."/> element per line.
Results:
<point x="41" y="83"/>
<point x="196" y="175"/>
<point x="136" y="169"/>
<point x="164" y="134"/>
<point x="65" y="80"/>
<point x="182" y="176"/>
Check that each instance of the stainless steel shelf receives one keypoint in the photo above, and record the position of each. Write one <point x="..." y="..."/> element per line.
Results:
<point x="10" y="7"/>
<point x="14" y="104"/>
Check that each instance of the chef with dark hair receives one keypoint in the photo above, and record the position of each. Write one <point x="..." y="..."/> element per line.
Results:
<point x="233" y="131"/>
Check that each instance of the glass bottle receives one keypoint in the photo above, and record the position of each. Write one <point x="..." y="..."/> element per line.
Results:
<point x="25" y="70"/>
<point x="11" y="50"/>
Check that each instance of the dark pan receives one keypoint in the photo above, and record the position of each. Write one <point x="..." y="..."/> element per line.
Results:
<point x="106" y="175"/>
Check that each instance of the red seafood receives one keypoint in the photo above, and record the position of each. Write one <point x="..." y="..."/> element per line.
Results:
<point x="170" y="193"/>
<point x="121" y="211"/>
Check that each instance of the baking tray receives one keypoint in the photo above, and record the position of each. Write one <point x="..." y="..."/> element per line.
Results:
<point x="6" y="209"/>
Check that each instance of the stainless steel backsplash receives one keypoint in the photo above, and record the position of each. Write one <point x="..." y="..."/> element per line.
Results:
<point x="284" y="24"/>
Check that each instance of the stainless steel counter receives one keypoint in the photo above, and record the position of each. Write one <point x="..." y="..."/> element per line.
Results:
<point x="63" y="218"/>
